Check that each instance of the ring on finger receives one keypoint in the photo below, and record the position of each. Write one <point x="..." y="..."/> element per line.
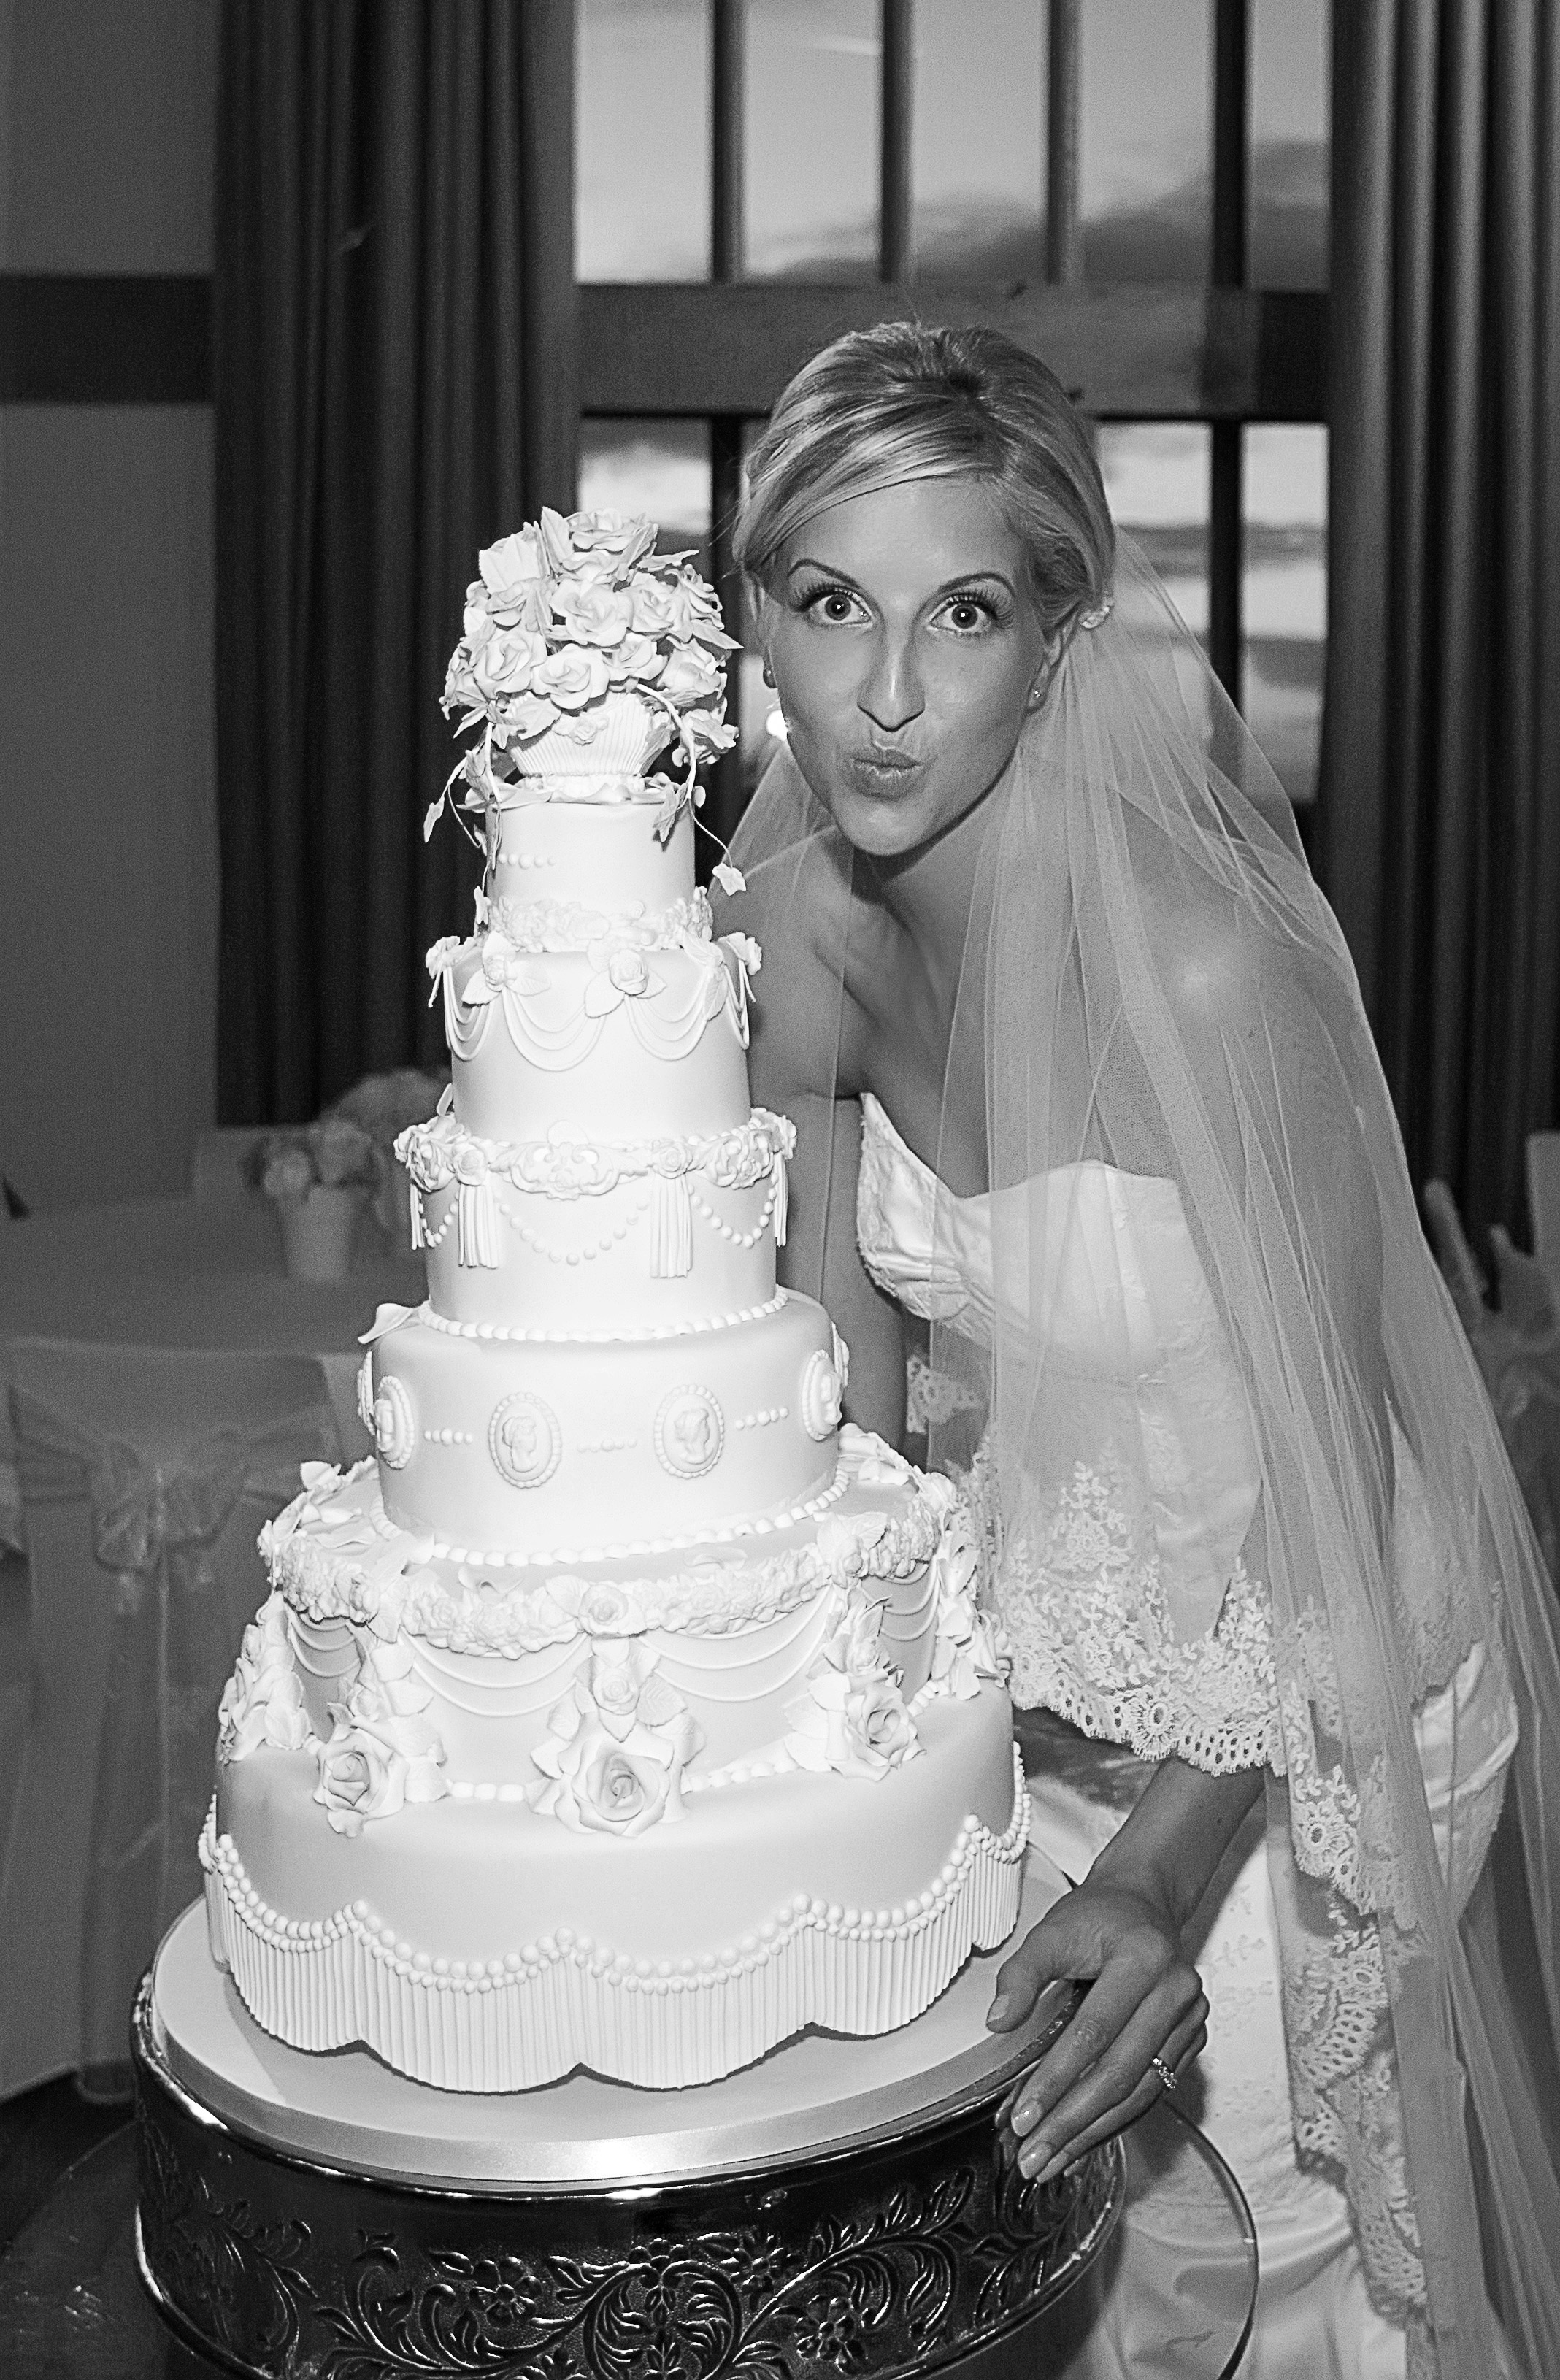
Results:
<point x="1167" y="2076"/>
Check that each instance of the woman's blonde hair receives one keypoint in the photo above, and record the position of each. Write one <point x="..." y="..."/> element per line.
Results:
<point x="908" y="401"/>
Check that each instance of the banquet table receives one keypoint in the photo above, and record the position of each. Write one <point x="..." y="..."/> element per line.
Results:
<point x="99" y="1737"/>
<point x="191" y="1272"/>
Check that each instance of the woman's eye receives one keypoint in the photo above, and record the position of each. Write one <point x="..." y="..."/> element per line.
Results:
<point x="831" y="603"/>
<point x="966" y="614"/>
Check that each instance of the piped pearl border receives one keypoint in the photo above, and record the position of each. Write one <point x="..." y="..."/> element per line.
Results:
<point x="503" y="1330"/>
<point x="512" y="2022"/>
<point x="721" y="1533"/>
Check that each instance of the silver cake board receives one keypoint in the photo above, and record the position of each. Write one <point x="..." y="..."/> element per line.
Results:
<point x="841" y="2204"/>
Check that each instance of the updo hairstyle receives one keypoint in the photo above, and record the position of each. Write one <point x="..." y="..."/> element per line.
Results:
<point x="908" y="401"/>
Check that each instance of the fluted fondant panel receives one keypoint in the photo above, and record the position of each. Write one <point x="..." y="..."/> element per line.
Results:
<point x="479" y="1947"/>
<point x="566" y="1447"/>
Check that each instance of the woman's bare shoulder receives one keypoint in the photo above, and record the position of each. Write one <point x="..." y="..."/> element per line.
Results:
<point x="795" y="908"/>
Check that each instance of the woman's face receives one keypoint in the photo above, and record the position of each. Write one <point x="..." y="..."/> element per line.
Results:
<point x="904" y="643"/>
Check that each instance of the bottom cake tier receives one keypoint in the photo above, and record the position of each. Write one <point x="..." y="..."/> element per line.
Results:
<point x="480" y="1947"/>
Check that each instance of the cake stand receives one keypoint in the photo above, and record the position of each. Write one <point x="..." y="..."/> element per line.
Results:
<point x="843" y="2206"/>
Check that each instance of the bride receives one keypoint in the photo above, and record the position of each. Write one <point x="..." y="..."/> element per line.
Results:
<point x="1098" y="1172"/>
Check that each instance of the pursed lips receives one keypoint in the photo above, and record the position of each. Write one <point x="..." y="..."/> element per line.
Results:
<point x="889" y="764"/>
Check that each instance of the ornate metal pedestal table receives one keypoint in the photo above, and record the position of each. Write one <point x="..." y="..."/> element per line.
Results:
<point x="841" y="2208"/>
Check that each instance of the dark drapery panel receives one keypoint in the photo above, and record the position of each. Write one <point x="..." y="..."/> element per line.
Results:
<point x="393" y="390"/>
<point x="1438" y="833"/>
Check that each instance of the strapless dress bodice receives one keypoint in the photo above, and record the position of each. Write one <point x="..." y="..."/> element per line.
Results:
<point x="1128" y="1325"/>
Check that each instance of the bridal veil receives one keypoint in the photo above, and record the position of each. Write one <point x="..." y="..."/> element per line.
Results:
<point x="1152" y="982"/>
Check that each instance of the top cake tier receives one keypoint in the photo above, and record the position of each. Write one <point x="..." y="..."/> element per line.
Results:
<point x="587" y="843"/>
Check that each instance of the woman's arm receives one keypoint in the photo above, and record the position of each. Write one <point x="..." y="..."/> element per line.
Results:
<point x="1121" y="1931"/>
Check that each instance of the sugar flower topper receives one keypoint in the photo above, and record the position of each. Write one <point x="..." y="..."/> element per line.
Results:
<point x="568" y="617"/>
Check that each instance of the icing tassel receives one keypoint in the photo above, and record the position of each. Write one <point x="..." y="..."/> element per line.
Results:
<point x="671" y="1227"/>
<point x="476" y="1215"/>
<point x="420" y="1236"/>
<point x="781" y="1198"/>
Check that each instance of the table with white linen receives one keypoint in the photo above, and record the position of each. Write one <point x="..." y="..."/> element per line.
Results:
<point x="143" y="1570"/>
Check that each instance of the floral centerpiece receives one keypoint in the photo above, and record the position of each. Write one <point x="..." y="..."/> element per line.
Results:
<point x="319" y="1177"/>
<point x="383" y="1106"/>
<point x="585" y="652"/>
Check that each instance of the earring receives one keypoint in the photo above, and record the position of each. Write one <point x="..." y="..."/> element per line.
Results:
<point x="768" y="673"/>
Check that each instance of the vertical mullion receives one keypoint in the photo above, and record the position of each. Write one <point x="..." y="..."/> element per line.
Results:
<point x="549" y="352"/>
<point x="727" y="258"/>
<point x="726" y="83"/>
<point x="1231" y="27"/>
<point x="1064" y="247"/>
<point x="894" y="249"/>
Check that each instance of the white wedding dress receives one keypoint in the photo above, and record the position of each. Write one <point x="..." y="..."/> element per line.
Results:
<point x="1089" y="1645"/>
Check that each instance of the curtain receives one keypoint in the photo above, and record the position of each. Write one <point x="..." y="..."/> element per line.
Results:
<point x="390" y="253"/>
<point x="1438" y="831"/>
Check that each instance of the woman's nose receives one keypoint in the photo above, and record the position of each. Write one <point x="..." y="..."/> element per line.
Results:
<point x="891" y="694"/>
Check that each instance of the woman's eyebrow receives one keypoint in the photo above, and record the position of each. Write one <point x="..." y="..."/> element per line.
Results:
<point x="805" y="561"/>
<point x="963" y="577"/>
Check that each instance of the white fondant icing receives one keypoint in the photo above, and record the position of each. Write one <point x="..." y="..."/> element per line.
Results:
<point x="456" y="1963"/>
<point x="686" y="1479"/>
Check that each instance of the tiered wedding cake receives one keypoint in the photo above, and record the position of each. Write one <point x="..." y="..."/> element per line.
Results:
<point x="629" y="1710"/>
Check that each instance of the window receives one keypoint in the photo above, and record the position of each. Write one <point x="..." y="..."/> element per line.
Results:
<point x="1198" y="149"/>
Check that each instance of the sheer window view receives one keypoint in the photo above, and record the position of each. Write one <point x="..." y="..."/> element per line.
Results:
<point x="979" y="182"/>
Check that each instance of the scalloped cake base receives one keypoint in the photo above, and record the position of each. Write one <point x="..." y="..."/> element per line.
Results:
<point x="666" y="1961"/>
<point x="843" y="2206"/>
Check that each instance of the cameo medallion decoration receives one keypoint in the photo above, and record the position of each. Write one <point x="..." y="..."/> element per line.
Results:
<point x="822" y="1396"/>
<point x="393" y="1422"/>
<point x="690" y="1432"/>
<point x="524" y="1439"/>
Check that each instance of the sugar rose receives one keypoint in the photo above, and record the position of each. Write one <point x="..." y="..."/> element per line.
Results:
<point x="571" y="676"/>
<point x="601" y="544"/>
<point x="636" y="657"/>
<point x="593" y="612"/>
<point x="689" y="677"/>
<point x="514" y="572"/>
<point x="356" y="1780"/>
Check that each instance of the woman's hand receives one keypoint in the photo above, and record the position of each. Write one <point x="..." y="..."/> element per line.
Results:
<point x="1119" y="1931"/>
<point x="1143" y="2001"/>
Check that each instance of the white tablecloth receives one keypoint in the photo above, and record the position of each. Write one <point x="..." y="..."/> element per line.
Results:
<point x="125" y="1642"/>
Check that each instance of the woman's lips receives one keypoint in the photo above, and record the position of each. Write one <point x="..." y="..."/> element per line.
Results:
<point x="884" y="768"/>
